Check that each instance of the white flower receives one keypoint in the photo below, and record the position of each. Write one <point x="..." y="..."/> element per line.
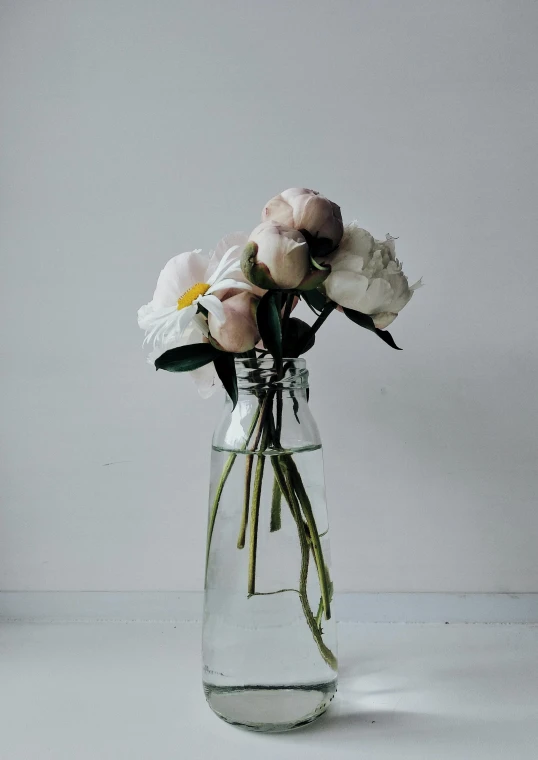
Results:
<point x="171" y="318"/>
<point x="184" y="284"/>
<point x="367" y="276"/>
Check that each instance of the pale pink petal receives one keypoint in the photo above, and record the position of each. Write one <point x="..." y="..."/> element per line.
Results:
<point x="310" y="213"/>
<point x="238" y="332"/>
<point x="279" y="210"/>
<point x="178" y="275"/>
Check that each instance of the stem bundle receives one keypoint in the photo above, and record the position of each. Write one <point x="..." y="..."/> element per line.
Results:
<point x="288" y="486"/>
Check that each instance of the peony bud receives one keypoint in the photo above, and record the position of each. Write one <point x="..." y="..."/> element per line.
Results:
<point x="278" y="256"/>
<point x="310" y="212"/>
<point x="366" y="276"/>
<point x="239" y="331"/>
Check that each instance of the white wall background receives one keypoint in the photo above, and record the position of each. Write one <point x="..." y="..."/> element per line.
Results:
<point x="133" y="130"/>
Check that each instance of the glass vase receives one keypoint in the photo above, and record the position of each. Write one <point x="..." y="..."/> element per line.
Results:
<point x="269" y="633"/>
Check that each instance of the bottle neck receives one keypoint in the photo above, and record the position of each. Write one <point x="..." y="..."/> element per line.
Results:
<point x="263" y="375"/>
<point x="272" y="413"/>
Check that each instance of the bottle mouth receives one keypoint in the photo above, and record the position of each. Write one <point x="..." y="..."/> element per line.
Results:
<point x="261" y="374"/>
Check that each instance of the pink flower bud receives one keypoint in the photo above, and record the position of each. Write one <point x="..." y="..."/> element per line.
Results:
<point x="239" y="331"/>
<point x="282" y="253"/>
<point x="308" y="210"/>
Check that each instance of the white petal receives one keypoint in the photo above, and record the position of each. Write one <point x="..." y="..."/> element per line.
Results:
<point x="234" y="238"/>
<point x="225" y="284"/>
<point x="190" y="335"/>
<point x="213" y="305"/>
<point x="153" y="334"/>
<point x="377" y="298"/>
<point x="178" y="275"/>
<point x="356" y="241"/>
<point x="153" y="321"/>
<point x="205" y="379"/>
<point x="144" y="313"/>
<point x="233" y="268"/>
<point x="346" y="288"/>
<point x="223" y="264"/>
<point x="186" y="316"/>
<point x="346" y="262"/>
<point x="173" y="328"/>
<point x="401" y="293"/>
<point x="199" y="322"/>
<point x="384" y="319"/>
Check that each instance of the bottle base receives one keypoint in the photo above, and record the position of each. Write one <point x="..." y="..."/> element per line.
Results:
<point x="270" y="708"/>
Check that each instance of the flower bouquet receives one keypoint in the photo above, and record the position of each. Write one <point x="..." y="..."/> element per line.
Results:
<point x="269" y="638"/>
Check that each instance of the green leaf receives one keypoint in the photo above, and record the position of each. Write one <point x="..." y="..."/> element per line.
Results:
<point x="294" y="344"/>
<point x="314" y="279"/>
<point x="316" y="265"/>
<point x="317" y="246"/>
<point x="268" y="318"/>
<point x="187" y="358"/>
<point x="363" y="320"/>
<point x="366" y="321"/>
<point x="225" y="369"/>
<point x="387" y="337"/>
<point x="315" y="299"/>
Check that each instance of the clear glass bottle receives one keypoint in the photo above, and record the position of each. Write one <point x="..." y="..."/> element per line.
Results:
<point x="269" y="634"/>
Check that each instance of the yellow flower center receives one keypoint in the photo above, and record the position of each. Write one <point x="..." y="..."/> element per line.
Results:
<point x="190" y="295"/>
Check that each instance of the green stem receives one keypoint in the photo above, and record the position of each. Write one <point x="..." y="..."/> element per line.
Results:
<point x="261" y="413"/>
<point x="255" y="517"/>
<point x="327" y="309"/>
<point x="279" y="411"/>
<point x="246" y="502"/>
<point x="216" y="501"/>
<point x="319" y="613"/>
<point x="276" y="499"/>
<point x="282" y="473"/>
<point x="287" y="311"/>
<point x="276" y="507"/>
<point x="220" y="487"/>
<point x="306" y="506"/>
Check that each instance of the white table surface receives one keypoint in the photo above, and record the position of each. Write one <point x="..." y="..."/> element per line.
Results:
<point x="132" y="690"/>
